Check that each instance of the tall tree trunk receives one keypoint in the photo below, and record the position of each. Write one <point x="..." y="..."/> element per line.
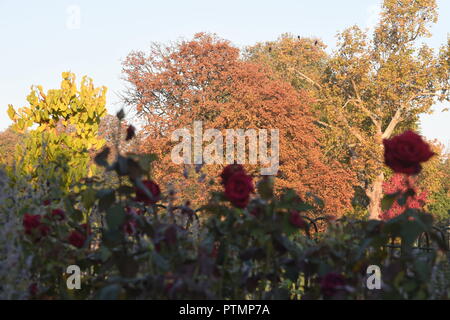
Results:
<point x="375" y="194"/>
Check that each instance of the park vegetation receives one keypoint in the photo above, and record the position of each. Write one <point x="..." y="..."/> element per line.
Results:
<point x="357" y="184"/>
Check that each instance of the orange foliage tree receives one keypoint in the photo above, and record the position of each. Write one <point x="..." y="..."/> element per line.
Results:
<point x="205" y="80"/>
<point x="9" y="140"/>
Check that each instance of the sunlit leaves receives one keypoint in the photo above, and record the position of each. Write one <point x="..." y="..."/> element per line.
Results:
<point x="205" y="79"/>
<point x="67" y="120"/>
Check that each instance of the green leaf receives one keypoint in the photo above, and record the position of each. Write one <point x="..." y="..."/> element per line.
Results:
<point x="128" y="266"/>
<point x="265" y="188"/>
<point x="101" y="158"/>
<point x="288" y="227"/>
<point x="292" y="272"/>
<point x="160" y="261"/>
<point x="112" y="238"/>
<point x="110" y="292"/>
<point x="107" y="198"/>
<point x="77" y="215"/>
<point x="88" y="198"/>
<point x="115" y="216"/>
<point x="105" y="253"/>
<point x="144" y="160"/>
<point x="388" y="201"/>
<point x="404" y="197"/>
<point x="134" y="169"/>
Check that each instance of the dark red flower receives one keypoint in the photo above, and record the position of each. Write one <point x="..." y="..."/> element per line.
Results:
<point x="331" y="283"/>
<point x="238" y="188"/>
<point x="58" y="214"/>
<point x="46" y="202"/>
<point x="296" y="219"/>
<point x="229" y="170"/>
<point x="31" y="222"/>
<point x="131" y="132"/>
<point x="33" y="289"/>
<point x="141" y="196"/>
<point x="405" y="152"/>
<point x="77" y="239"/>
<point x="44" y="230"/>
<point x="129" y="226"/>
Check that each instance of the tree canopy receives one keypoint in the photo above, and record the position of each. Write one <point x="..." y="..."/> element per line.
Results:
<point x="204" y="79"/>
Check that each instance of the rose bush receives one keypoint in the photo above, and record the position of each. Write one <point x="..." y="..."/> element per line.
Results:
<point x="135" y="240"/>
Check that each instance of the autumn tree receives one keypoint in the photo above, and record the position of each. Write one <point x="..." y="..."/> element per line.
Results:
<point x="66" y="123"/>
<point x="435" y="179"/>
<point x="376" y="86"/>
<point x="204" y="79"/>
<point x="302" y="62"/>
<point x="9" y="140"/>
<point x="371" y="87"/>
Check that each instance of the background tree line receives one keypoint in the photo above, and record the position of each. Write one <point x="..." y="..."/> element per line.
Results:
<point x="333" y="110"/>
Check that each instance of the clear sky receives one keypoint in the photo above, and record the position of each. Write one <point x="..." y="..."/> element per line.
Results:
<point x="40" y="39"/>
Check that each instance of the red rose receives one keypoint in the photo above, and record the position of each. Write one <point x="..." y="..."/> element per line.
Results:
<point x="44" y="230"/>
<point x="31" y="222"/>
<point x="46" y="202"/>
<point x="59" y="214"/>
<point x="405" y="152"/>
<point x="141" y="196"/>
<point x="296" y="220"/>
<point x="238" y="188"/>
<point x="77" y="239"/>
<point x="129" y="226"/>
<point x="229" y="170"/>
<point x="331" y="284"/>
<point x="131" y="131"/>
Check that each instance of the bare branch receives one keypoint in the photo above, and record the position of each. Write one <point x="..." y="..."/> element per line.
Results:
<point x="360" y="104"/>
<point x="308" y="79"/>
<point x="392" y="124"/>
<point x="353" y="130"/>
<point x="396" y="118"/>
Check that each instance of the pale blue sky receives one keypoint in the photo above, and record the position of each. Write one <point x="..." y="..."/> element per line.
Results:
<point x="36" y="44"/>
